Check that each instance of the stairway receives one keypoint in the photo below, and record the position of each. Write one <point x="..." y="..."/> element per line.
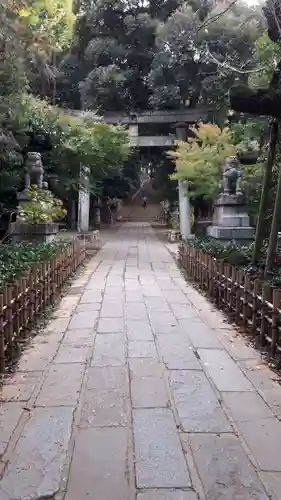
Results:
<point x="134" y="212"/>
<point x="139" y="214"/>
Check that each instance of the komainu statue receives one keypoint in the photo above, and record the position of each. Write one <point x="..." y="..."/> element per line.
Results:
<point x="34" y="171"/>
<point x="232" y="176"/>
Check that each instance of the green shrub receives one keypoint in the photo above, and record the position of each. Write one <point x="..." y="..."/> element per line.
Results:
<point x="15" y="260"/>
<point x="240" y="256"/>
<point x="232" y="252"/>
<point x="42" y="207"/>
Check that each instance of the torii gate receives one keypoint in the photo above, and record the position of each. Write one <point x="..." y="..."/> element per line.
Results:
<point x="177" y="122"/>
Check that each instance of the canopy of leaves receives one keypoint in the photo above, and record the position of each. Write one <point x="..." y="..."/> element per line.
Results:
<point x="266" y="54"/>
<point x="135" y="55"/>
<point x="32" y="36"/>
<point x="75" y="141"/>
<point x="185" y="68"/>
<point x="199" y="161"/>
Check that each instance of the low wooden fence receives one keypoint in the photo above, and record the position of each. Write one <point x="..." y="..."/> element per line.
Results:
<point x="22" y="301"/>
<point x="252" y="304"/>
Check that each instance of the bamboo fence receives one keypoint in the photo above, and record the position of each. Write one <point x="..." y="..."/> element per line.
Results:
<point x="250" y="303"/>
<point x="23" y="300"/>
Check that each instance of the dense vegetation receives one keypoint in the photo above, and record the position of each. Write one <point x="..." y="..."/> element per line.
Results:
<point x="158" y="54"/>
<point x="115" y="55"/>
<point x="17" y="260"/>
<point x="34" y="37"/>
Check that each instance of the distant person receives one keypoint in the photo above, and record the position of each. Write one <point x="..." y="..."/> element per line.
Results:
<point x="144" y="201"/>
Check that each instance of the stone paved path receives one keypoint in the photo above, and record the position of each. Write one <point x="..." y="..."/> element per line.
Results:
<point x="139" y="390"/>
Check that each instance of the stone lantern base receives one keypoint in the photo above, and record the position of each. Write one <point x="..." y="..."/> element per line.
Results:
<point x="29" y="233"/>
<point x="231" y="220"/>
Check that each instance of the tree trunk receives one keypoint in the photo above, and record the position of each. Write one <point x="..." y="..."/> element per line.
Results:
<point x="271" y="250"/>
<point x="267" y="180"/>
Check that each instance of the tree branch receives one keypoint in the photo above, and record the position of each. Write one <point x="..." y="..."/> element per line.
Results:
<point x="215" y="17"/>
<point x="226" y="65"/>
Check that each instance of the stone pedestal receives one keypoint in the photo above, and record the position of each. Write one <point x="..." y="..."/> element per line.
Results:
<point x="83" y="211"/>
<point x="23" y="198"/>
<point x="231" y="220"/>
<point x="29" y="233"/>
<point x="84" y="204"/>
<point x="184" y="206"/>
<point x="184" y="209"/>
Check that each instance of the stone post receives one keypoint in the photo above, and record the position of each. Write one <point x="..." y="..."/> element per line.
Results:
<point x="184" y="206"/>
<point x="83" y="205"/>
<point x="133" y="134"/>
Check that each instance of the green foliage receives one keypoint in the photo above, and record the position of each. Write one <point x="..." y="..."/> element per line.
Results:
<point x="52" y="20"/>
<point x="199" y="160"/>
<point x="153" y="54"/>
<point x="231" y="253"/>
<point x="77" y="141"/>
<point x="16" y="260"/>
<point x="180" y="69"/>
<point x="42" y="207"/>
<point x="265" y="55"/>
<point x="240" y="256"/>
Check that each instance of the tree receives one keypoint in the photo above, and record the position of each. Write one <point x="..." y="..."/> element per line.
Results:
<point x="113" y="48"/>
<point x="51" y="23"/>
<point x="266" y="101"/>
<point x="184" y="69"/>
<point x="199" y="161"/>
<point x="129" y="56"/>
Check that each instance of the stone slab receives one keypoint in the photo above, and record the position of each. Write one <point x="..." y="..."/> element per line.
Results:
<point x="264" y="381"/>
<point x="145" y="367"/>
<point x="82" y="320"/>
<point x="35" y="468"/>
<point x="88" y="306"/>
<point x="109" y="350"/>
<point x="157" y="304"/>
<point x="176" y="352"/>
<point x="160" y="462"/>
<point x="73" y="354"/>
<point x="200" y="335"/>
<point x="163" y="319"/>
<point x="136" y="311"/>
<point x="62" y="385"/>
<point x="196" y="403"/>
<point x="231" y="233"/>
<point x="263" y="436"/>
<point x="10" y="414"/>
<point x="91" y="296"/>
<point x="57" y="325"/>
<point x="104" y="408"/>
<point x="272" y="483"/>
<point x="111" y="325"/>
<point x="175" y="296"/>
<point x="237" y="345"/>
<point x="246" y="407"/>
<point x="83" y="337"/>
<point x="139" y="330"/>
<point x="142" y="349"/>
<point x="225" y="373"/>
<point x="107" y="377"/>
<point x="38" y="357"/>
<point x="113" y="293"/>
<point x="149" y="392"/>
<point x="224" y="468"/>
<point x="112" y="309"/>
<point x="20" y="386"/>
<point x="150" y="291"/>
<point x="99" y="465"/>
<point x="185" y="311"/>
<point x="167" y="495"/>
